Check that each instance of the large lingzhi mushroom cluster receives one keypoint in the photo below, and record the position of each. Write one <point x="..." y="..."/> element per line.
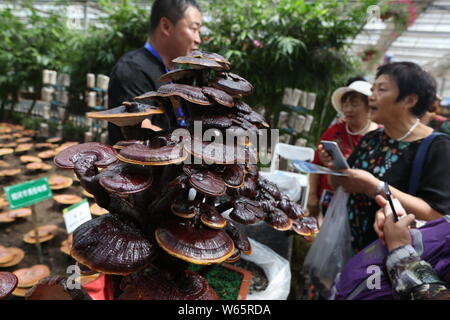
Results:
<point x="157" y="224"/>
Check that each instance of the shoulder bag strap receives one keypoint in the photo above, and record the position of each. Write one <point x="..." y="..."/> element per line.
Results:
<point x="419" y="160"/>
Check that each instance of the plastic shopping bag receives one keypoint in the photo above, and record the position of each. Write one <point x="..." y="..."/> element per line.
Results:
<point x="276" y="269"/>
<point x="331" y="249"/>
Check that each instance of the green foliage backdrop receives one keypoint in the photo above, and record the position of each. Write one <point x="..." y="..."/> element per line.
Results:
<point x="273" y="43"/>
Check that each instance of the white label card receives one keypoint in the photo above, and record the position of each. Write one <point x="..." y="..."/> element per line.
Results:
<point x="76" y="215"/>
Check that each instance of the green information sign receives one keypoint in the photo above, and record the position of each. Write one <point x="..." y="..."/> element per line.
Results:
<point x="28" y="193"/>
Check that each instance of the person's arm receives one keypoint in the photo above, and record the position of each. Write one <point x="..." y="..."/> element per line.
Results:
<point x="361" y="181"/>
<point x="411" y="277"/>
<point x="313" y="197"/>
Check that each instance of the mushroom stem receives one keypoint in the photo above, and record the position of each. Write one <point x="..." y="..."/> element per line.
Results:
<point x="134" y="132"/>
<point x="205" y="270"/>
<point x="199" y="196"/>
<point x="210" y="200"/>
<point x="224" y="206"/>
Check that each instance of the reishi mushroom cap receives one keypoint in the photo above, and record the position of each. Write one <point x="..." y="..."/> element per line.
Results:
<point x="278" y="220"/>
<point x="219" y="153"/>
<point x="234" y="176"/>
<point x="208" y="183"/>
<point x="311" y="223"/>
<point x="5" y="255"/>
<point x="239" y="237"/>
<point x="143" y="155"/>
<point x="8" y="282"/>
<point x="234" y="85"/>
<point x="178" y="74"/>
<point x="124" y="178"/>
<point x="128" y="114"/>
<point x="105" y="154"/>
<point x="199" y="63"/>
<point x="58" y="182"/>
<point x="28" y="277"/>
<point x="211" y="217"/>
<point x="187" y="92"/>
<point x="27" y="159"/>
<point x="183" y="209"/>
<point x="20" y="213"/>
<point x="157" y="284"/>
<point x="96" y="210"/>
<point x="109" y="245"/>
<point x="17" y="256"/>
<point x="301" y="229"/>
<point x="56" y="288"/>
<point x="209" y="55"/>
<point x="219" y="96"/>
<point x="194" y="244"/>
<point x="67" y="199"/>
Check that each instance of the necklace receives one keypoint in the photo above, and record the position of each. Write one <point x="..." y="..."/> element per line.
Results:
<point x="410" y="130"/>
<point x="357" y="132"/>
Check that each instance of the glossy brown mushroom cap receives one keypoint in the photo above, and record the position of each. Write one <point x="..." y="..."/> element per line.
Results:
<point x="246" y="211"/>
<point x="156" y="284"/>
<point x="56" y="288"/>
<point x="8" y="282"/>
<point x="219" y="153"/>
<point x="108" y="245"/>
<point x="278" y="220"/>
<point x="125" y="143"/>
<point x="301" y="229"/>
<point x="199" y="245"/>
<point x="210" y="217"/>
<point x="208" y="183"/>
<point x="123" y="178"/>
<point x="219" y="96"/>
<point x="128" y="114"/>
<point x="178" y="74"/>
<point x="239" y="237"/>
<point x="209" y="55"/>
<point x="311" y="223"/>
<point x="234" y="176"/>
<point x="183" y="209"/>
<point x="198" y="63"/>
<point x="233" y="84"/>
<point x="235" y="257"/>
<point x="105" y="155"/>
<point x="143" y="155"/>
<point x="187" y="92"/>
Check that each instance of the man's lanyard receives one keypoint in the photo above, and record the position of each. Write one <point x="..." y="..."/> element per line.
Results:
<point x="179" y="113"/>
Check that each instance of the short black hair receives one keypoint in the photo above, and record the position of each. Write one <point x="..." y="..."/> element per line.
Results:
<point x="353" y="79"/>
<point x="354" y="94"/>
<point x="171" y="9"/>
<point x="411" y="79"/>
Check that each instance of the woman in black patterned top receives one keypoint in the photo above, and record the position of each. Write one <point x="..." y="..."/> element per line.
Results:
<point x="401" y="93"/>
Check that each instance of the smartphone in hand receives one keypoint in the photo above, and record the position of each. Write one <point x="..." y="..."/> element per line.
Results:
<point x="339" y="161"/>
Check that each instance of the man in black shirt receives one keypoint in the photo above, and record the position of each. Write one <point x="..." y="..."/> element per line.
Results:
<point x="174" y="31"/>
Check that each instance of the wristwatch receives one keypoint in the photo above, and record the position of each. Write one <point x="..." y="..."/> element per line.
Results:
<point x="379" y="188"/>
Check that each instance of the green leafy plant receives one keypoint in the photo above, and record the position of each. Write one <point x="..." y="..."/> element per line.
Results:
<point x="40" y="40"/>
<point x="287" y="43"/>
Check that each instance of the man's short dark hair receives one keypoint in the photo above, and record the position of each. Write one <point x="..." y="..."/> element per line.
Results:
<point x="411" y="79"/>
<point x="171" y="9"/>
